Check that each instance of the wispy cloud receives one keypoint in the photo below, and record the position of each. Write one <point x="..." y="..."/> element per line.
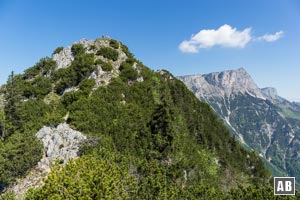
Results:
<point x="271" y="37"/>
<point x="224" y="36"/>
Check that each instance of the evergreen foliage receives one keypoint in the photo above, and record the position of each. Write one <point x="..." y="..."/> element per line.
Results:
<point x="81" y="68"/>
<point x="127" y="72"/>
<point x="44" y="67"/>
<point x="114" y="44"/>
<point x="77" y="49"/>
<point x="86" y="178"/>
<point x="57" y="50"/>
<point x="106" y="66"/>
<point x="108" y="53"/>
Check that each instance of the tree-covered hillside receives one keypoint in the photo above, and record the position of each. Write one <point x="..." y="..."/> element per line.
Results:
<point x="149" y="137"/>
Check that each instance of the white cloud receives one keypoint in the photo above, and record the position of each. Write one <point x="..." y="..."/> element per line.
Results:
<point x="188" y="47"/>
<point x="225" y="36"/>
<point x="271" y="37"/>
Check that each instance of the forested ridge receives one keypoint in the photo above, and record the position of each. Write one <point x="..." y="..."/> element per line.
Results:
<point x="148" y="136"/>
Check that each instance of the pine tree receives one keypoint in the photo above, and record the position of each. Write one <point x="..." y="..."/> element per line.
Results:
<point x="12" y="105"/>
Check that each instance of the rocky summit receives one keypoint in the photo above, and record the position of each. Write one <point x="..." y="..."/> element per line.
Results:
<point x="261" y="119"/>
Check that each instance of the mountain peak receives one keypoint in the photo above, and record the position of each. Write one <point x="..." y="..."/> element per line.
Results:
<point x="234" y="81"/>
<point x="270" y="92"/>
<point x="240" y="70"/>
<point x="262" y="120"/>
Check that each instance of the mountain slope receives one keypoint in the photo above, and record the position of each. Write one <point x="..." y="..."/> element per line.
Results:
<point x="262" y="120"/>
<point x="148" y="136"/>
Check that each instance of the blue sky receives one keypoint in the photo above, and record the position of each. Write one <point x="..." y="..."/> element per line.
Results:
<point x="153" y="30"/>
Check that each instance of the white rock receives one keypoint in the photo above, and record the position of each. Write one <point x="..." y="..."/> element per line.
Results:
<point x="59" y="143"/>
<point x="64" y="58"/>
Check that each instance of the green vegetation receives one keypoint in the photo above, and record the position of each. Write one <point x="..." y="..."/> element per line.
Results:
<point x="86" y="178"/>
<point x="108" y="53"/>
<point x="146" y="140"/>
<point x="81" y="68"/>
<point x="44" y="67"/>
<point x="40" y="87"/>
<point x="77" y="49"/>
<point x="23" y="115"/>
<point x="289" y="113"/>
<point x="126" y="51"/>
<point x="17" y="155"/>
<point x="114" y="44"/>
<point x="57" y="50"/>
<point x="127" y="72"/>
<point x="106" y="66"/>
<point x="8" y="196"/>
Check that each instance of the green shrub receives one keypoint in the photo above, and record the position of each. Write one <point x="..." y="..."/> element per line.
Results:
<point x="127" y="72"/>
<point x="80" y="69"/>
<point x="10" y="195"/>
<point x="86" y="178"/>
<point x="57" y="50"/>
<point x="18" y="154"/>
<point x="31" y="72"/>
<point x="43" y="84"/>
<point x="130" y="60"/>
<point x="92" y="47"/>
<point x="99" y="62"/>
<point x="39" y="87"/>
<point x="104" y="65"/>
<point x="87" y="85"/>
<point x="69" y="98"/>
<point x="126" y="51"/>
<point x="108" y="53"/>
<point x="44" y="66"/>
<point x="77" y="49"/>
<point x="114" y="44"/>
<point x="65" y="78"/>
<point x="84" y="65"/>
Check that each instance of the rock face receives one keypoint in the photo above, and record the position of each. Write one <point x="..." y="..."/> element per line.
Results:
<point x="61" y="143"/>
<point x="64" y="58"/>
<point x="262" y="120"/>
<point x="224" y="83"/>
<point x="270" y="92"/>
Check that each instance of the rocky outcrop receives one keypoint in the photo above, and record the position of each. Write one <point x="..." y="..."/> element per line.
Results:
<point x="270" y="92"/>
<point x="64" y="58"/>
<point x="223" y="83"/>
<point x="61" y="143"/>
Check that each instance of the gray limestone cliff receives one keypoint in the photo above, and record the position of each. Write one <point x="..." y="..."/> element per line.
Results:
<point x="223" y="83"/>
<point x="270" y="92"/>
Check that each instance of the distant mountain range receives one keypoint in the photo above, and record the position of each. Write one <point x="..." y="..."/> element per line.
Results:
<point x="261" y="119"/>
